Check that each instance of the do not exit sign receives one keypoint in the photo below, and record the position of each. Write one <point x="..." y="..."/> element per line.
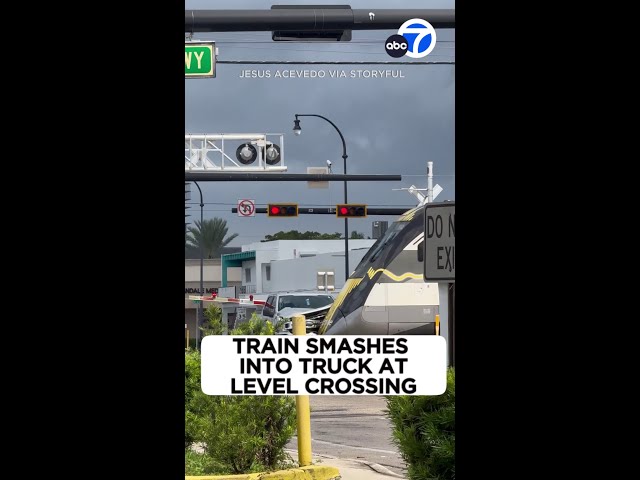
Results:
<point x="440" y="242"/>
<point x="200" y="59"/>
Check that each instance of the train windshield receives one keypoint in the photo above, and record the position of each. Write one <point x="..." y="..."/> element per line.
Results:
<point x="379" y="248"/>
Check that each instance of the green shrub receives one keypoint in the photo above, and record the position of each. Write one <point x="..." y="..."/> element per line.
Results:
<point x="246" y="433"/>
<point x="191" y="387"/>
<point x="424" y="428"/>
<point x="257" y="325"/>
<point x="213" y="321"/>
<point x="240" y="434"/>
<point x="196" y="463"/>
<point x="279" y="425"/>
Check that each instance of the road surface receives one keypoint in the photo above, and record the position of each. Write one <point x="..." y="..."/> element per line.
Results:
<point x="352" y="426"/>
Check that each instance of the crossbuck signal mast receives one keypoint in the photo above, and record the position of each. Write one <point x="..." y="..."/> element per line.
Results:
<point x="234" y="152"/>
<point x="432" y="192"/>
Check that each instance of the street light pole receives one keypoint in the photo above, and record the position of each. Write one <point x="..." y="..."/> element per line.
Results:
<point x="199" y="317"/>
<point x="297" y="130"/>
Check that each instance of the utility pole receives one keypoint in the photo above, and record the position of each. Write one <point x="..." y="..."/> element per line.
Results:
<point x="297" y="130"/>
<point x="430" y="182"/>
<point x="200" y="306"/>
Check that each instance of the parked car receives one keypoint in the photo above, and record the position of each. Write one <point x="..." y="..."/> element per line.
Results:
<point x="314" y="306"/>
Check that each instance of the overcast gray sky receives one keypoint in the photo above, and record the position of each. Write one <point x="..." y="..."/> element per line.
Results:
<point x="391" y="126"/>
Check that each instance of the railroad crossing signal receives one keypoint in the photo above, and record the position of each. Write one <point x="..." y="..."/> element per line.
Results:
<point x="282" y="210"/>
<point x="351" y="210"/>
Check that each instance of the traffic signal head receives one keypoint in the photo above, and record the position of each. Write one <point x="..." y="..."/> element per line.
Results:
<point x="282" y="210"/>
<point x="351" y="210"/>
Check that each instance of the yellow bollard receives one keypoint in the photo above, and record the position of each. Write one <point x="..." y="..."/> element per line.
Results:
<point x="437" y="324"/>
<point x="303" y="412"/>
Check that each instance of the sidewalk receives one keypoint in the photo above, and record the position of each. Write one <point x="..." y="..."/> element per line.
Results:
<point x="351" y="469"/>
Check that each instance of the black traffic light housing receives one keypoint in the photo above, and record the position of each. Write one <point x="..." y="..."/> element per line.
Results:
<point x="351" y="210"/>
<point x="319" y="34"/>
<point x="282" y="210"/>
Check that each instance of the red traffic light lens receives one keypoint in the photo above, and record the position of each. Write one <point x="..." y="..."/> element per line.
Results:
<point x="275" y="210"/>
<point x="344" y="210"/>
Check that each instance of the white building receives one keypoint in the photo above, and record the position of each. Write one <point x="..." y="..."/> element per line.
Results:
<point x="292" y="264"/>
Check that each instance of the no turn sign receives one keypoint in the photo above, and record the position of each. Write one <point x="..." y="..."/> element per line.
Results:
<point x="246" y="208"/>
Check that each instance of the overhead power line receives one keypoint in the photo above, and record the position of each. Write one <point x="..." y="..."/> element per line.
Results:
<point x="350" y="42"/>
<point x="341" y="52"/>
<point x="310" y="62"/>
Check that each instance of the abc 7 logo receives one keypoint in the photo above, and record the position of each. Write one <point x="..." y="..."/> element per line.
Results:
<point x="416" y="38"/>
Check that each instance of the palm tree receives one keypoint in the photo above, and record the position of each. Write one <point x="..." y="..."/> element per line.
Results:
<point x="211" y="233"/>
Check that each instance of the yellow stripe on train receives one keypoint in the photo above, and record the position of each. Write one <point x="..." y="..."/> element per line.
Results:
<point x="398" y="278"/>
<point x="408" y="216"/>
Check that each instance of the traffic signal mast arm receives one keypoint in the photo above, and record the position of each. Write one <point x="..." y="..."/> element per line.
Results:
<point x="343" y="210"/>
<point x="307" y="19"/>
<point x="332" y="211"/>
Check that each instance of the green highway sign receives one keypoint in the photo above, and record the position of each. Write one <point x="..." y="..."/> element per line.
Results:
<point x="199" y="59"/>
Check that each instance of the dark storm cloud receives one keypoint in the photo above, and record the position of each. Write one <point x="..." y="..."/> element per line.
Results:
<point x="391" y="126"/>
